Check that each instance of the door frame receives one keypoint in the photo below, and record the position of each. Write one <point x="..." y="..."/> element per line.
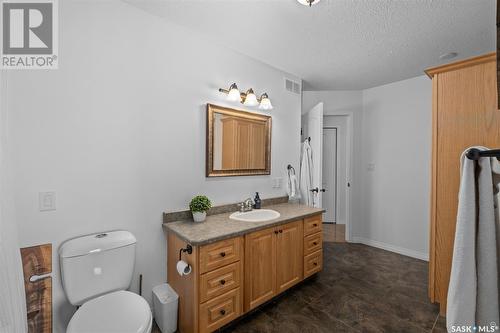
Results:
<point x="349" y="165"/>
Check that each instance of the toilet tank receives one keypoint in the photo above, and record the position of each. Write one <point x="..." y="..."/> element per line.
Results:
<point x="96" y="264"/>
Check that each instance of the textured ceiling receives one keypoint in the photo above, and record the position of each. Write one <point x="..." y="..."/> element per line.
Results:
<point x="340" y="44"/>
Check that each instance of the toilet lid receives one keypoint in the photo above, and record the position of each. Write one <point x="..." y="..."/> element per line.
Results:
<point x="120" y="311"/>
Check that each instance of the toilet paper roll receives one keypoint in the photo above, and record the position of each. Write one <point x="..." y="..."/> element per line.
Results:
<point x="183" y="268"/>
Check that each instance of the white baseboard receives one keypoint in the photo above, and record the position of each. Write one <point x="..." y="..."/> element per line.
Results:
<point x="392" y="248"/>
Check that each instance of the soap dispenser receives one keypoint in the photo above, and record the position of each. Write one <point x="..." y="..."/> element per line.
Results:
<point x="256" y="201"/>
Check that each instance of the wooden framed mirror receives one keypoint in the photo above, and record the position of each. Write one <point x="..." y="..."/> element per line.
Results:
<point x="238" y="143"/>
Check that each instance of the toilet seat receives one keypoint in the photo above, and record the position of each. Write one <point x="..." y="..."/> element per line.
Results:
<point x="119" y="311"/>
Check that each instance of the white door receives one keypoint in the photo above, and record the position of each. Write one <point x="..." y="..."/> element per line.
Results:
<point x="330" y="175"/>
<point x="315" y="132"/>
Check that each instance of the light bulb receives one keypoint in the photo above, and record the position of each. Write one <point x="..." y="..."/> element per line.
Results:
<point x="251" y="99"/>
<point x="234" y="94"/>
<point x="265" y="102"/>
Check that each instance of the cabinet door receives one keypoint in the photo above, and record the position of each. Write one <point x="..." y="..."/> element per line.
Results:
<point x="260" y="267"/>
<point x="289" y="255"/>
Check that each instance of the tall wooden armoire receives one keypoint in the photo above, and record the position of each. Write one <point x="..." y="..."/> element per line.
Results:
<point x="464" y="114"/>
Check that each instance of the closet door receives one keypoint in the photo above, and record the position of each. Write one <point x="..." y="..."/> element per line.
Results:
<point x="464" y="114"/>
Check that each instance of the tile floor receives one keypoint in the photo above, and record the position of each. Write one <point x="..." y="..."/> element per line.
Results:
<point x="334" y="232"/>
<point x="361" y="289"/>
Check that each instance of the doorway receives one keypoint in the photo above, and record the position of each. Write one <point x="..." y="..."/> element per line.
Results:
<point x="330" y="203"/>
<point x="335" y="174"/>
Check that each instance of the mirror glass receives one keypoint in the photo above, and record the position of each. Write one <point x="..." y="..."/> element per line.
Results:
<point x="238" y="142"/>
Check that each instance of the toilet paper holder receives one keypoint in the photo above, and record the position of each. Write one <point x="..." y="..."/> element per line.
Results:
<point x="188" y="249"/>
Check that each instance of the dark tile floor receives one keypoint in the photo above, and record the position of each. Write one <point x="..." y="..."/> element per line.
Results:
<point x="361" y="289"/>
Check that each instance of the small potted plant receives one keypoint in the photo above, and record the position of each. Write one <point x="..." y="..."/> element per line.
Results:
<point x="199" y="206"/>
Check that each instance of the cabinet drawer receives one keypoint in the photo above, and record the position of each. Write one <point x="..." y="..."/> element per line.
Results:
<point x="219" y="254"/>
<point x="218" y="282"/>
<point x="312" y="224"/>
<point x="313" y="263"/>
<point x="220" y="311"/>
<point x="313" y="243"/>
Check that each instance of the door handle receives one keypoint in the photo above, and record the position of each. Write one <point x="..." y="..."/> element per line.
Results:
<point x="315" y="190"/>
<point x="322" y="190"/>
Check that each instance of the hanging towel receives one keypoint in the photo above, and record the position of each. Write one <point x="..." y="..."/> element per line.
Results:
<point x="473" y="290"/>
<point x="306" y="175"/>
<point x="293" y="186"/>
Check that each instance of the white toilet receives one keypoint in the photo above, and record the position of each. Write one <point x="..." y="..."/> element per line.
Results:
<point x="96" y="270"/>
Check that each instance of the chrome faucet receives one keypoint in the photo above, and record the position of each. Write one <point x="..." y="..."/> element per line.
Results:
<point x="246" y="205"/>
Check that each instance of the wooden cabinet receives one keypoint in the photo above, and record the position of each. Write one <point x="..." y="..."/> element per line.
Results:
<point x="464" y="114"/>
<point x="260" y="267"/>
<point x="235" y="275"/>
<point x="273" y="262"/>
<point x="220" y="311"/>
<point x="313" y="245"/>
<point x="289" y="255"/>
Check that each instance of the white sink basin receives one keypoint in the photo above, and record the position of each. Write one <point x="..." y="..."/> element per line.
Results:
<point x="257" y="215"/>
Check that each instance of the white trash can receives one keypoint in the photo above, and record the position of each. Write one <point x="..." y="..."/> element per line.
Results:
<point x="165" y="304"/>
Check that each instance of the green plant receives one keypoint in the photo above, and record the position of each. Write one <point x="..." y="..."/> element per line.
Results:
<point x="200" y="203"/>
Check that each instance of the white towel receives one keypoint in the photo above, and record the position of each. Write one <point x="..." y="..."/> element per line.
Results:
<point x="306" y="175"/>
<point x="473" y="290"/>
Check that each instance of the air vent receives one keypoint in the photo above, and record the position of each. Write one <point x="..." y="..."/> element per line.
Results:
<point x="292" y="86"/>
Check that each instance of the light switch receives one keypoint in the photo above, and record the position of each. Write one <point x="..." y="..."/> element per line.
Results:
<point x="46" y="201"/>
<point x="277" y="182"/>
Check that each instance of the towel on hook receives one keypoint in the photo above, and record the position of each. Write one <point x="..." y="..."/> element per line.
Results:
<point x="306" y="175"/>
<point x="293" y="187"/>
<point x="473" y="292"/>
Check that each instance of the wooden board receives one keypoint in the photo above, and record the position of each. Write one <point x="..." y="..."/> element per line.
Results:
<point x="37" y="260"/>
<point x="186" y="286"/>
<point x="465" y="114"/>
<point x="498" y="53"/>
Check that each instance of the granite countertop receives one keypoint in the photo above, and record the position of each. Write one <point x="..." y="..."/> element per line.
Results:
<point x="220" y="226"/>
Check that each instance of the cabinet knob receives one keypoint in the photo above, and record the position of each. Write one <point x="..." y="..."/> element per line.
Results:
<point x="315" y="263"/>
<point x="223" y="254"/>
<point x="314" y="243"/>
<point x="276" y="232"/>
<point x="223" y="282"/>
<point x="222" y="312"/>
<point x="315" y="225"/>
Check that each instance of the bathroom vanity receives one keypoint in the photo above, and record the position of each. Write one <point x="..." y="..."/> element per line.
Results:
<point x="238" y="265"/>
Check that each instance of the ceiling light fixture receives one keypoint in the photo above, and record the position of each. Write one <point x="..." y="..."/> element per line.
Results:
<point x="308" y="2"/>
<point x="248" y="99"/>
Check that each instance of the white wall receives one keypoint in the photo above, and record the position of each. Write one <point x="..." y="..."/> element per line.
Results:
<point x="118" y="131"/>
<point x="392" y="131"/>
<point x="397" y="141"/>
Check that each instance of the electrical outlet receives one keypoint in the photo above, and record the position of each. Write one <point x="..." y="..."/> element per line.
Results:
<point x="46" y="201"/>
<point x="371" y="166"/>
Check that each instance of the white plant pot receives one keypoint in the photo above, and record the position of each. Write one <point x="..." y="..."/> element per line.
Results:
<point x="199" y="216"/>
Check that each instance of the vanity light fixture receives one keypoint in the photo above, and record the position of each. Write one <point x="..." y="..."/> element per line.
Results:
<point x="248" y="98"/>
<point x="308" y="2"/>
